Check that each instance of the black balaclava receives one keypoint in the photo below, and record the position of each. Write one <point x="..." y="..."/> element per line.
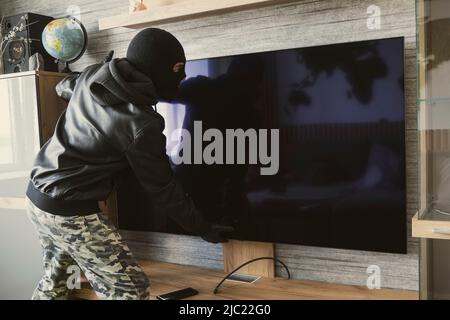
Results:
<point x="154" y="52"/>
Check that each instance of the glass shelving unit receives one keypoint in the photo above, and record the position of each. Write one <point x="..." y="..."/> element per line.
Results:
<point x="432" y="222"/>
<point x="433" y="43"/>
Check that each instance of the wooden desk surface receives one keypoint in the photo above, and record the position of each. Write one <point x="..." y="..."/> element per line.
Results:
<point x="166" y="277"/>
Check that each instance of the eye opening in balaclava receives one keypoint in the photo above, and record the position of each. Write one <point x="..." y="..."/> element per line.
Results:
<point x="154" y="52"/>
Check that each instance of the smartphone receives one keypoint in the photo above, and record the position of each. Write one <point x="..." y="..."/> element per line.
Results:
<point x="179" y="294"/>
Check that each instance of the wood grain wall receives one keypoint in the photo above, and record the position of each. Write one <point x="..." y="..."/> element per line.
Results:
<point x="297" y="24"/>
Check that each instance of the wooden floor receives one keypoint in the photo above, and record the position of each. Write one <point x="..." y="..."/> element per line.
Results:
<point x="165" y="277"/>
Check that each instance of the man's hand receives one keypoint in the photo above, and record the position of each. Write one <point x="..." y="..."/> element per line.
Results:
<point x="216" y="233"/>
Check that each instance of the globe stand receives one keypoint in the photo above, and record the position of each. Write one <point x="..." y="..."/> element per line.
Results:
<point x="66" y="68"/>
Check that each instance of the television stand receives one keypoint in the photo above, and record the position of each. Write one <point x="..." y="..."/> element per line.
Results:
<point x="236" y="253"/>
<point x="167" y="277"/>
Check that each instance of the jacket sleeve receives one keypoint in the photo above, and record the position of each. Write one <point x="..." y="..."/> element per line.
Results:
<point x="147" y="158"/>
<point x="65" y="87"/>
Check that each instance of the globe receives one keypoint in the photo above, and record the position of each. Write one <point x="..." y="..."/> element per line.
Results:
<point x="65" y="39"/>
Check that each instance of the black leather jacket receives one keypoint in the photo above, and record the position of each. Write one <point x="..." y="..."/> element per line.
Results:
<point x="109" y="127"/>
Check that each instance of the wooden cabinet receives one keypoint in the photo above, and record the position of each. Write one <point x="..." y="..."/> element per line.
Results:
<point x="432" y="222"/>
<point x="50" y="106"/>
<point x="29" y="109"/>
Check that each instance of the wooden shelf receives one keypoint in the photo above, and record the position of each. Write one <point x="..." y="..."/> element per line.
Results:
<point x="431" y="226"/>
<point x="179" y="11"/>
<point x="12" y="203"/>
<point x="31" y="73"/>
<point x="166" y="277"/>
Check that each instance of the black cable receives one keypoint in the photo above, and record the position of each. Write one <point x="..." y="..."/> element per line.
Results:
<point x="216" y="289"/>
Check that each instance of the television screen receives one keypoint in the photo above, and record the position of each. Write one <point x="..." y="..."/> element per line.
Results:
<point x="300" y="146"/>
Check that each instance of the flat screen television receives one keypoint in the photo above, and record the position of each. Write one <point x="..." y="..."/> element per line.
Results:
<point x="334" y="118"/>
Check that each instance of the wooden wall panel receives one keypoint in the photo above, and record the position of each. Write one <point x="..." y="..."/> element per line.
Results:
<point x="298" y="24"/>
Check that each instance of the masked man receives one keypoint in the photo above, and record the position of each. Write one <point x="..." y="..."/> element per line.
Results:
<point x="109" y="127"/>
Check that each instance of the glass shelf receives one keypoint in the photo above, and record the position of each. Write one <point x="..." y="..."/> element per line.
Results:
<point x="436" y="215"/>
<point x="433" y="100"/>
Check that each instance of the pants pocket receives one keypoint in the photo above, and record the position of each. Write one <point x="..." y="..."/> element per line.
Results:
<point x="101" y="228"/>
<point x="73" y="230"/>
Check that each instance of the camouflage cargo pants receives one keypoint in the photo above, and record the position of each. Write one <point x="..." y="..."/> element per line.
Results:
<point x="92" y="243"/>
